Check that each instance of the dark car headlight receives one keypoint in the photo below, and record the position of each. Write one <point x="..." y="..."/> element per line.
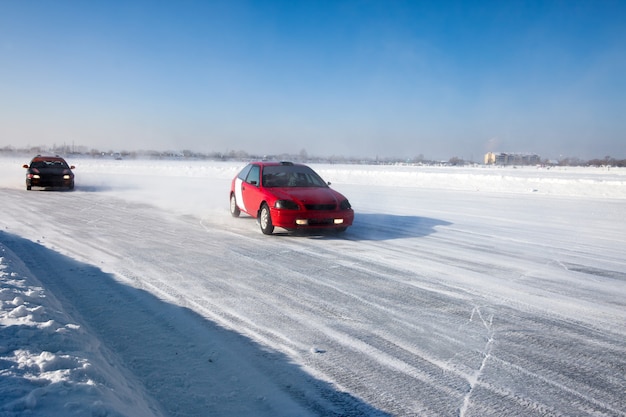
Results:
<point x="345" y="205"/>
<point x="286" y="204"/>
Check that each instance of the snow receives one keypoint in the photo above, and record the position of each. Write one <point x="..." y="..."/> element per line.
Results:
<point x="458" y="291"/>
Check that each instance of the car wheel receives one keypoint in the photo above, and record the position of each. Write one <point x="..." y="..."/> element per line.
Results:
<point x="234" y="210"/>
<point x="265" y="220"/>
<point x="28" y="187"/>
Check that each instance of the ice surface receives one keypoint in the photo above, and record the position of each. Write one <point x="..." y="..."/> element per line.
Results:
<point x="457" y="291"/>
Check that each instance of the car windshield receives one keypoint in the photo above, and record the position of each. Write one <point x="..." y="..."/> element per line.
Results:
<point x="49" y="163"/>
<point x="291" y="176"/>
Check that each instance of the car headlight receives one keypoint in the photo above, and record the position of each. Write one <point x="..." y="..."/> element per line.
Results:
<point x="286" y="204"/>
<point x="345" y="205"/>
<point x="66" y="177"/>
<point x="35" y="176"/>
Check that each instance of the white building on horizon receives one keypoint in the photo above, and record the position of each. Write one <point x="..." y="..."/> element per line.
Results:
<point x="505" y="158"/>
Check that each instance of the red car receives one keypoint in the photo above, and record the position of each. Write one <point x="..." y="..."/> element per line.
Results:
<point x="288" y="195"/>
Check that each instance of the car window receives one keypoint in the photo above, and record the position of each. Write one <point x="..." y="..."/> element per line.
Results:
<point x="291" y="176"/>
<point x="49" y="163"/>
<point x="244" y="172"/>
<point x="254" y="175"/>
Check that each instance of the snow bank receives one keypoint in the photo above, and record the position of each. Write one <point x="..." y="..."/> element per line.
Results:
<point x="558" y="181"/>
<point x="49" y="361"/>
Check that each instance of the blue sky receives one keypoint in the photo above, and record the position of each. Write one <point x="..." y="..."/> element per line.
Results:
<point x="351" y="78"/>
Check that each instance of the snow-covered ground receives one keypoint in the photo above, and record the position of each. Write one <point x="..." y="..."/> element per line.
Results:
<point x="457" y="292"/>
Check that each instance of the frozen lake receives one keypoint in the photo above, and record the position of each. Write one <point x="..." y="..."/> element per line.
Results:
<point x="457" y="292"/>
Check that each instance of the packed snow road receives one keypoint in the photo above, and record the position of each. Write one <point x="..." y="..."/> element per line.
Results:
<point x="437" y="302"/>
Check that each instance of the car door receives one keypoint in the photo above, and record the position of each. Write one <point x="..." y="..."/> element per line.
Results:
<point x="251" y="195"/>
<point x="239" y="181"/>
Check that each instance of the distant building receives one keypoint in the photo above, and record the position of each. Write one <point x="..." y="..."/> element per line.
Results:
<point x="504" y="158"/>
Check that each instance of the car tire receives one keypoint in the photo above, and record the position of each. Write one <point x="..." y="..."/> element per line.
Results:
<point x="234" y="209"/>
<point x="28" y="187"/>
<point x="265" y="220"/>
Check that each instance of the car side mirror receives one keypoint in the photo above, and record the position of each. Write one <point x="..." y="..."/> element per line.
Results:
<point x="72" y="167"/>
<point x="24" y="166"/>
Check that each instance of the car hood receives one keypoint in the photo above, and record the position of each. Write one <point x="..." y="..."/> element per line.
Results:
<point x="309" y="195"/>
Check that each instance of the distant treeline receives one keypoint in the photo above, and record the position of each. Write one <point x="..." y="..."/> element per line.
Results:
<point x="302" y="156"/>
<point x="605" y="162"/>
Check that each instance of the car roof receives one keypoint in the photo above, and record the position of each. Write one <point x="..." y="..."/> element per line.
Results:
<point x="276" y="163"/>
<point x="47" y="158"/>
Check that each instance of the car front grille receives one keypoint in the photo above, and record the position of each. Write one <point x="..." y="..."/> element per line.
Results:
<point x="319" y="207"/>
<point x="320" y="222"/>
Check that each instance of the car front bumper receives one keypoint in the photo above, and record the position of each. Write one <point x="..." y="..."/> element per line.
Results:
<point x="50" y="182"/>
<point x="296" y="219"/>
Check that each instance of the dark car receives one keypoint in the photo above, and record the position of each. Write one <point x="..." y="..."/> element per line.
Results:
<point x="49" y="171"/>
<point x="290" y="196"/>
